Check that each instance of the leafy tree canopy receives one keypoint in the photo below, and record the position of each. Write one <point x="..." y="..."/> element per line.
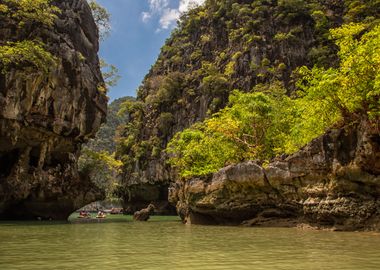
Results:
<point x="28" y="51"/>
<point x="265" y="123"/>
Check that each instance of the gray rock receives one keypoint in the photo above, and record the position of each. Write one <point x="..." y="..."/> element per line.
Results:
<point x="332" y="182"/>
<point x="144" y="214"/>
<point x="44" y="119"/>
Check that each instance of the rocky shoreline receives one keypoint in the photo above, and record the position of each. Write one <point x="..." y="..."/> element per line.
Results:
<point x="333" y="182"/>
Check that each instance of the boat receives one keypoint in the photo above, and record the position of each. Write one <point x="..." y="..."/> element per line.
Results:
<point x="84" y="215"/>
<point x="101" y="215"/>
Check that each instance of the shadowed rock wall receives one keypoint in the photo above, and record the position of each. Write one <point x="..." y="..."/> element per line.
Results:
<point x="44" y="118"/>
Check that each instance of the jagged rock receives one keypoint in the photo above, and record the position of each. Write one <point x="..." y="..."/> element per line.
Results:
<point x="44" y="118"/>
<point x="334" y="182"/>
<point x="220" y="33"/>
<point x="144" y="214"/>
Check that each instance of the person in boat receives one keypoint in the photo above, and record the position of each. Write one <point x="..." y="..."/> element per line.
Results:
<point x="84" y="214"/>
<point x="101" y="214"/>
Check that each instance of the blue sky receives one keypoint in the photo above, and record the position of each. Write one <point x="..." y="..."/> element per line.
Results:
<point x="139" y="29"/>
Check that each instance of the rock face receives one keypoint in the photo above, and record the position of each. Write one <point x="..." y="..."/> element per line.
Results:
<point x="139" y="195"/>
<point x="332" y="182"/>
<point x="218" y="47"/>
<point x="45" y="118"/>
<point x="144" y="214"/>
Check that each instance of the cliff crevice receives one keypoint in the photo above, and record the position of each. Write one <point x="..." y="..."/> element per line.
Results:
<point x="45" y="117"/>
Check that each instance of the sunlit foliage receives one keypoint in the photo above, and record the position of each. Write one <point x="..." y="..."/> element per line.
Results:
<point x="266" y="123"/>
<point x="102" y="168"/>
<point x="29" y="52"/>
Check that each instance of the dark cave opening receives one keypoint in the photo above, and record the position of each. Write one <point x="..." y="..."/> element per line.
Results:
<point x="34" y="157"/>
<point x="7" y="161"/>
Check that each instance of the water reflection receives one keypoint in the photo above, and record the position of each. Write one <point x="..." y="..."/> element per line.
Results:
<point x="171" y="245"/>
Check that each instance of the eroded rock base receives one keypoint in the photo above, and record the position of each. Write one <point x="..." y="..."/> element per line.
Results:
<point x="45" y="117"/>
<point x="141" y="195"/>
<point x="39" y="177"/>
<point x="333" y="182"/>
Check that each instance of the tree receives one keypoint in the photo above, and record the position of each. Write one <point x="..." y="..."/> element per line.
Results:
<point x="29" y="11"/>
<point x="27" y="52"/>
<point x="250" y="127"/>
<point x="98" y="156"/>
<point x="102" y="18"/>
<point x="344" y="94"/>
<point x="110" y="73"/>
<point x="265" y="123"/>
<point x="102" y="168"/>
<point x="103" y="21"/>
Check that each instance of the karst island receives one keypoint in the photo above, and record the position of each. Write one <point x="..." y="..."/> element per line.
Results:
<point x="190" y="134"/>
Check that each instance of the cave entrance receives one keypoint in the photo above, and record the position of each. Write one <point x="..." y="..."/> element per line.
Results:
<point x="7" y="162"/>
<point x="108" y="207"/>
<point x="34" y="157"/>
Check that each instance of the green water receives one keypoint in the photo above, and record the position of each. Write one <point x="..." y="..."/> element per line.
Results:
<point x="164" y="243"/>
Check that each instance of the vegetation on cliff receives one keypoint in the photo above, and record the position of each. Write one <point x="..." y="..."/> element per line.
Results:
<point x="98" y="156"/>
<point x="265" y="123"/>
<point x="103" y="22"/>
<point x="97" y="159"/>
<point x="45" y="117"/>
<point x="31" y="51"/>
<point x="28" y="51"/>
<point x="253" y="46"/>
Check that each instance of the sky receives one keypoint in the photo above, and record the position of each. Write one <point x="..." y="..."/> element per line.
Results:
<point x="139" y="30"/>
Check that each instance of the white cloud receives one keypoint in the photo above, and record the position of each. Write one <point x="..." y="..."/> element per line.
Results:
<point x="185" y="5"/>
<point x="168" y="16"/>
<point x="158" y="5"/>
<point x="145" y="16"/>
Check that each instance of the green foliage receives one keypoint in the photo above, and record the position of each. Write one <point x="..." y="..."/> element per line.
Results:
<point x="205" y="39"/>
<point x="230" y="69"/>
<point x="196" y="55"/>
<point x="168" y="89"/>
<point x="353" y="88"/>
<point x="320" y="19"/>
<point x="243" y="130"/>
<point x="27" y="52"/>
<point x="102" y="18"/>
<point x="232" y="29"/>
<point x="266" y="123"/>
<point x="105" y="138"/>
<point x="102" y="168"/>
<point x="29" y="11"/>
<point x="362" y="11"/>
<point x="283" y="36"/>
<point x="213" y="82"/>
<point x="197" y="151"/>
<point x="110" y="74"/>
<point x="97" y="158"/>
<point x="129" y="148"/>
<point x="165" y="121"/>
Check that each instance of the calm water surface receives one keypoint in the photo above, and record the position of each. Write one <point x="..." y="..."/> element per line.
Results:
<point x="167" y="244"/>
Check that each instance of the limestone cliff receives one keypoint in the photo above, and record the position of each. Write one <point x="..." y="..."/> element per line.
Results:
<point x="332" y="182"/>
<point x="218" y="47"/>
<point x="44" y="118"/>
